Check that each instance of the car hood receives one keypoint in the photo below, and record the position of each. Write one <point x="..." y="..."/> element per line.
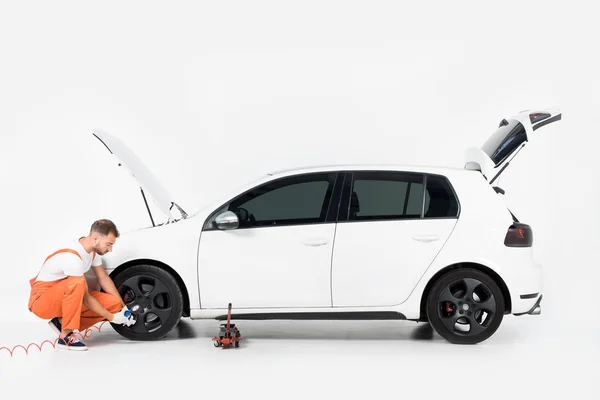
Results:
<point x="148" y="182"/>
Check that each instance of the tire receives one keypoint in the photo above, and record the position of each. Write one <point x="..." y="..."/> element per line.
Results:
<point x="452" y="301"/>
<point x="159" y="311"/>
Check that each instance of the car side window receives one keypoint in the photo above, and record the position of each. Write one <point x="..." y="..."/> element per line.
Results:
<point x="383" y="195"/>
<point x="300" y="199"/>
<point x="440" y="200"/>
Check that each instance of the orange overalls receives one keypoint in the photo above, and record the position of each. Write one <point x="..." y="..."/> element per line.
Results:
<point x="64" y="298"/>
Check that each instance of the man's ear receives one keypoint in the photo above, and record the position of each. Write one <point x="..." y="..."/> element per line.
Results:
<point x="96" y="236"/>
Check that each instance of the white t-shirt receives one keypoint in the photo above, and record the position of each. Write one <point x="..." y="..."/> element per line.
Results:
<point x="64" y="264"/>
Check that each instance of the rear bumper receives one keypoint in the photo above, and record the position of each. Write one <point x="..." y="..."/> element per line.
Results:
<point x="536" y="309"/>
<point x="524" y="281"/>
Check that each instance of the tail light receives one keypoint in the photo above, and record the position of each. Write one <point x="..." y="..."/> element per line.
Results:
<point x="519" y="235"/>
<point x="537" y="117"/>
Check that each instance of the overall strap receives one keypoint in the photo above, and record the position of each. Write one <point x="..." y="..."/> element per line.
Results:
<point x="63" y="251"/>
<point x="31" y="281"/>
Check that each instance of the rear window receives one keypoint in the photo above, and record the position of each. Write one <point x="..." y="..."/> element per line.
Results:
<point x="509" y="135"/>
<point x="440" y="200"/>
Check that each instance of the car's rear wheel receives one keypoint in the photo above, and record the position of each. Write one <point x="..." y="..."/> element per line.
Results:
<point x="465" y="306"/>
<point x="155" y="299"/>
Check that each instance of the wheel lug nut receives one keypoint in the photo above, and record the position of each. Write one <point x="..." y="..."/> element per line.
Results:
<point x="469" y="313"/>
<point x="460" y="312"/>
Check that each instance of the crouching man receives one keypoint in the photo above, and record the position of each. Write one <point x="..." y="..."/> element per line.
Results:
<point x="59" y="292"/>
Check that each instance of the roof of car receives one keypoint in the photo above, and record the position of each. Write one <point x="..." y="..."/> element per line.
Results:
<point x="385" y="167"/>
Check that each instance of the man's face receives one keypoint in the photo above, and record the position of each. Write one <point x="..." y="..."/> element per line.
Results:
<point x="104" y="243"/>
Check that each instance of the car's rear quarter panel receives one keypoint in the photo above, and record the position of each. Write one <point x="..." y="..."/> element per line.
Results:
<point x="478" y="237"/>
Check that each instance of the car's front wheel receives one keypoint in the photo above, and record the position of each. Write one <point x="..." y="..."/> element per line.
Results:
<point x="465" y="306"/>
<point x="155" y="299"/>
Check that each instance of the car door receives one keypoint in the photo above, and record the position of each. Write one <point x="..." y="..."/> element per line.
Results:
<point x="280" y="254"/>
<point x="391" y="227"/>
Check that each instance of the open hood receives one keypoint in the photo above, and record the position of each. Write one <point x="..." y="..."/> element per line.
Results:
<point x="505" y="143"/>
<point x="145" y="178"/>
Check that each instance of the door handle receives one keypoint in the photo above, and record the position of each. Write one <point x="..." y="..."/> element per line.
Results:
<point x="315" y="242"/>
<point x="426" y="238"/>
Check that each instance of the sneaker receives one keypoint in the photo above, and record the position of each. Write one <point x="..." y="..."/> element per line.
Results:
<point x="71" y="342"/>
<point x="56" y="326"/>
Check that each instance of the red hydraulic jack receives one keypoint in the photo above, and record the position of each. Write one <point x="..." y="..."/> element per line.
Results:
<point x="228" y="334"/>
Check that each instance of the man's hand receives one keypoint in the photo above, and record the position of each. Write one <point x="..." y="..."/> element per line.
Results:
<point x="120" y="318"/>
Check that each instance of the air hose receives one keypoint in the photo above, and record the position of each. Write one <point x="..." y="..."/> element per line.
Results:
<point x="85" y="335"/>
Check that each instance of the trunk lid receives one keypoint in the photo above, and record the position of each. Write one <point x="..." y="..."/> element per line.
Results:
<point x="512" y="134"/>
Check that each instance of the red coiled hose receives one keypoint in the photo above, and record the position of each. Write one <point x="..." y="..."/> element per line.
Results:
<point x="86" y="335"/>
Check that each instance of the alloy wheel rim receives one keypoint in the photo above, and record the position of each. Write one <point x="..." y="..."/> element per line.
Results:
<point x="154" y="301"/>
<point x="466" y="307"/>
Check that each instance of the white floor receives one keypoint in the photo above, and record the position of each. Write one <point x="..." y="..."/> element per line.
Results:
<point x="528" y="357"/>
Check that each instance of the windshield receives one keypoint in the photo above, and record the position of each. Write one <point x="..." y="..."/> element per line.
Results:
<point x="510" y="135"/>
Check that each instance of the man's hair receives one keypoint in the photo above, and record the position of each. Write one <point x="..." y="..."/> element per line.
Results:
<point x="104" y="227"/>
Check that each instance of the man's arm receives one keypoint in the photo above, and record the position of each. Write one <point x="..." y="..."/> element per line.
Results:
<point x="106" y="283"/>
<point x="93" y="304"/>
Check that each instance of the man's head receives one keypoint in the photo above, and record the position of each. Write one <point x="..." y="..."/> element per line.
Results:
<point x="103" y="235"/>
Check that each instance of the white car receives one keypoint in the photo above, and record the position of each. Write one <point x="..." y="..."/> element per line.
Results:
<point x="339" y="242"/>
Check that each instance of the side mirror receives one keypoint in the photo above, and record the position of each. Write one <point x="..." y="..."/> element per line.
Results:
<point x="499" y="190"/>
<point x="227" y="220"/>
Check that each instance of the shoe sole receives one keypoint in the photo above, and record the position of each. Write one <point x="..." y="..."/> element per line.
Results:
<point x="71" y="348"/>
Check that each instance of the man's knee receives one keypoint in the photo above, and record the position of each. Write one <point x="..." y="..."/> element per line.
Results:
<point x="114" y="304"/>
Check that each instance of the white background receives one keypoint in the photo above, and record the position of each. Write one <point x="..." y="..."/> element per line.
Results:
<point x="213" y="94"/>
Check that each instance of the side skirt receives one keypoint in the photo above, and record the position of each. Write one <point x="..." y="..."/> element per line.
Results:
<point x="349" y="315"/>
